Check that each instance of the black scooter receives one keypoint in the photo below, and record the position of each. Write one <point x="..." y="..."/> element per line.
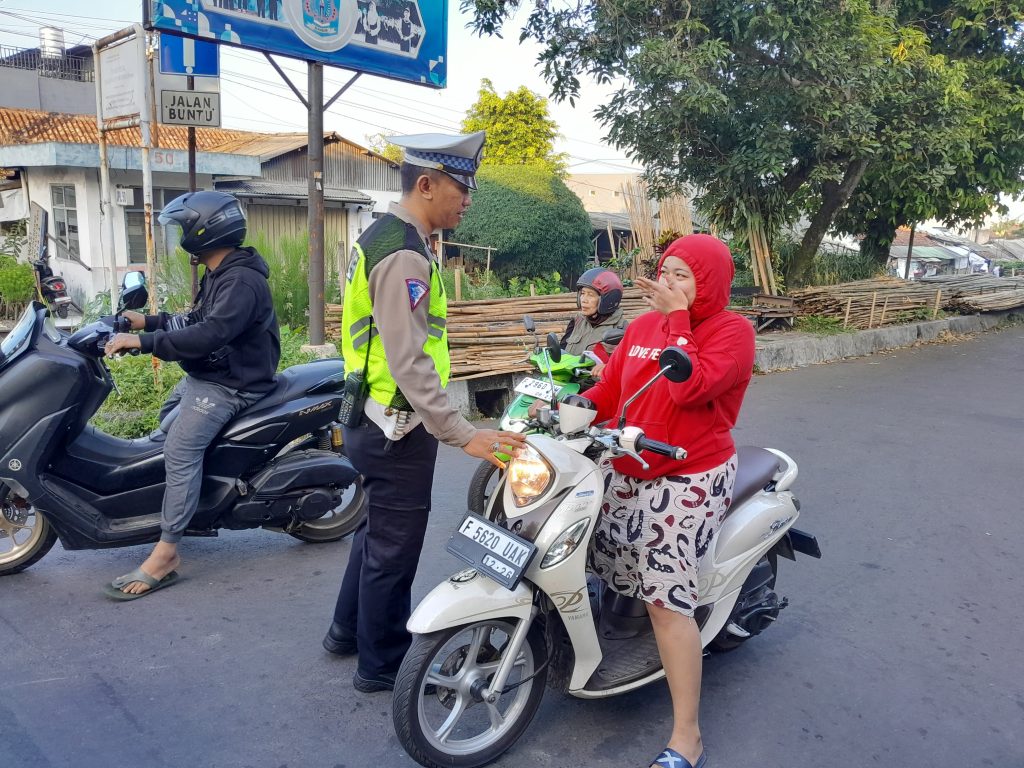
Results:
<point x="52" y="288"/>
<point x="278" y="464"/>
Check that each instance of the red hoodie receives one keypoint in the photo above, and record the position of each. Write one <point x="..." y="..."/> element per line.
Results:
<point x="699" y="413"/>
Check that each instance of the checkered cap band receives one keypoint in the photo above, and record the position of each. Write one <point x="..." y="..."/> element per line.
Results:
<point x="450" y="162"/>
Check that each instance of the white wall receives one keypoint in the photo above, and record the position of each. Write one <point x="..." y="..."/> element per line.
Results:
<point x="94" y="252"/>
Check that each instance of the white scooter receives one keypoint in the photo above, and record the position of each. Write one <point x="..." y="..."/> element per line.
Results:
<point x="486" y="640"/>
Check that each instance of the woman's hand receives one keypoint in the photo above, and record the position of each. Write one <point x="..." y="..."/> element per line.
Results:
<point x="663" y="298"/>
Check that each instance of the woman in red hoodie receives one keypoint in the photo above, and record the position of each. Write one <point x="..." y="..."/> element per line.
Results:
<point x="656" y="524"/>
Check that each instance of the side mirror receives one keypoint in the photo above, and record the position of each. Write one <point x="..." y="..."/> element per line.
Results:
<point x="554" y="350"/>
<point x="529" y="324"/>
<point x="678" y="364"/>
<point x="134" y="294"/>
<point x="613" y="336"/>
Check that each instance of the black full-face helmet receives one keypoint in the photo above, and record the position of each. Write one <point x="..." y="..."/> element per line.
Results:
<point x="207" y="219"/>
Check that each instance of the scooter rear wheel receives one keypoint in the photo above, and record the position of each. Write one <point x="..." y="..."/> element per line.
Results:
<point x="25" y="534"/>
<point x="340" y="521"/>
<point x="439" y="714"/>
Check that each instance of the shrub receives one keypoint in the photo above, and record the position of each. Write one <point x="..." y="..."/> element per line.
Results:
<point x="17" y="281"/>
<point x="532" y="219"/>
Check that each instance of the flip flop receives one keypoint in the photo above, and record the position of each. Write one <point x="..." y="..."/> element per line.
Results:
<point x="114" y="589"/>
<point x="669" y="758"/>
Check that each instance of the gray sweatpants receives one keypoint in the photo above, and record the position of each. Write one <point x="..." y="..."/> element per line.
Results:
<point x="203" y="410"/>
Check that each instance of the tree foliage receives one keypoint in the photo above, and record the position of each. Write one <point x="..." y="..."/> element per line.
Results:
<point x="532" y="219"/>
<point x="519" y="129"/>
<point x="773" y="110"/>
<point x="381" y="144"/>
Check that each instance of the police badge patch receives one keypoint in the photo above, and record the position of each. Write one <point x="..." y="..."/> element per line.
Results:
<point x="417" y="290"/>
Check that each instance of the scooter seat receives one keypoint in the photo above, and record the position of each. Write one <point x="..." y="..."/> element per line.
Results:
<point x="755" y="468"/>
<point x="94" y="444"/>
<point x="293" y="383"/>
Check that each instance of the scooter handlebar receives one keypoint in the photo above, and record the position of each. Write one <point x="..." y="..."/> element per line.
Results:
<point x="663" y="449"/>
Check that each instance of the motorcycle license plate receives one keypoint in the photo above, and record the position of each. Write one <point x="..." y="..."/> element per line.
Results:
<point x="491" y="550"/>
<point x="536" y="388"/>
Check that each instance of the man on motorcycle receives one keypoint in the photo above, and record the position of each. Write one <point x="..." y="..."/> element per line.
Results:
<point x="598" y="295"/>
<point x="229" y="346"/>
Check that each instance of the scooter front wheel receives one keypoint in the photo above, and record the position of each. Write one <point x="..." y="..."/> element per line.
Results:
<point x="440" y="714"/>
<point x="483" y="483"/>
<point x="25" y="534"/>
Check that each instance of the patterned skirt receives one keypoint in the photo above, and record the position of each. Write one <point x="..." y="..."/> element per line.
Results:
<point x="652" y="534"/>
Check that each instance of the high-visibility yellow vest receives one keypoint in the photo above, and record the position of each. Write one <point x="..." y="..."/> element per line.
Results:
<point x="385" y="236"/>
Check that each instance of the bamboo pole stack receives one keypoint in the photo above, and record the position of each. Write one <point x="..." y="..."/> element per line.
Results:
<point x="641" y="221"/>
<point x="885" y="301"/>
<point x="674" y="214"/>
<point x="487" y="337"/>
<point x="761" y="257"/>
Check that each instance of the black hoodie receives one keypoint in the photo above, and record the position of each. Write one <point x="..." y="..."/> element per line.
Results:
<point x="230" y="337"/>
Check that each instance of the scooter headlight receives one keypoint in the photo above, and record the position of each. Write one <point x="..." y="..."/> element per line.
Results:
<point x="566" y="543"/>
<point x="528" y="476"/>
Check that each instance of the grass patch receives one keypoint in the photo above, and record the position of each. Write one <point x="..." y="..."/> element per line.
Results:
<point x="820" y="325"/>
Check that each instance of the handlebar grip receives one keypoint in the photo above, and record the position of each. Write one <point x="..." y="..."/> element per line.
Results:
<point x="664" y="449"/>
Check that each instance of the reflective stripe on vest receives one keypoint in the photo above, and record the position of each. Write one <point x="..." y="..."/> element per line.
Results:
<point x="358" y="329"/>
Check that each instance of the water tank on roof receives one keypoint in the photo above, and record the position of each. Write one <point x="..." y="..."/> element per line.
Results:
<point x="51" y="42"/>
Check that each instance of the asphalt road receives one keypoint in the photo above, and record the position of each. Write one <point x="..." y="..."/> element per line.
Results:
<point x="900" y="648"/>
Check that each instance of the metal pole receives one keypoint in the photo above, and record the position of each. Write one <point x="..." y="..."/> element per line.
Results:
<point x="192" y="186"/>
<point x="107" y="231"/>
<point x="910" y="250"/>
<point x="146" y="118"/>
<point x="315" y="94"/>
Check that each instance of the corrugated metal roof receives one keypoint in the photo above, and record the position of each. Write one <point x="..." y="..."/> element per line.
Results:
<point x="292" y="191"/>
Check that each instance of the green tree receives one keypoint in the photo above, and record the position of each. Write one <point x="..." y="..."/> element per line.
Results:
<point x="966" y="147"/>
<point x="774" y="110"/>
<point x="519" y="129"/>
<point x="532" y="219"/>
<point x="379" y="143"/>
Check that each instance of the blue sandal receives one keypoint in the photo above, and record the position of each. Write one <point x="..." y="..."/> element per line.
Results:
<point x="669" y="758"/>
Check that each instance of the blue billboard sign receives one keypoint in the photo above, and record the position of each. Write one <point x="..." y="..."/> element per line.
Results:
<point x="398" y="39"/>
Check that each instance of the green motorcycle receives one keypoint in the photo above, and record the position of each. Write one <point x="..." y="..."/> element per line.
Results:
<point x="556" y="375"/>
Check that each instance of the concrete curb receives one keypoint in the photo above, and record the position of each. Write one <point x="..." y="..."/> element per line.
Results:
<point x="775" y="352"/>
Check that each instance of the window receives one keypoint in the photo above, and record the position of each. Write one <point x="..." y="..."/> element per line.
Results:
<point x="65" y="216"/>
<point x="593" y="193"/>
<point x="166" y="239"/>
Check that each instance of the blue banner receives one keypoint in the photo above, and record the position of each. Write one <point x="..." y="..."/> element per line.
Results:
<point x="398" y="39"/>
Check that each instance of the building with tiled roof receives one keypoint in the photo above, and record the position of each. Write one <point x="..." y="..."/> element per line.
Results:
<point x="50" y="161"/>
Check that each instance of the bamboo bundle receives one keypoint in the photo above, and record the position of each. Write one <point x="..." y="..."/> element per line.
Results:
<point x="674" y="214"/>
<point x="487" y="338"/>
<point x="641" y="220"/>
<point x="760" y="257"/>
<point x="883" y="301"/>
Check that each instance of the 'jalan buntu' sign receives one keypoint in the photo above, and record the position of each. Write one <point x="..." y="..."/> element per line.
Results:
<point x="190" y="108"/>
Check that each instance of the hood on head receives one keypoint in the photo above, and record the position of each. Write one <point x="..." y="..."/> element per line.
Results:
<point x="711" y="262"/>
<point x="245" y="257"/>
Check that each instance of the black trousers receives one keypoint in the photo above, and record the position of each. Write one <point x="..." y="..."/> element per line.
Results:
<point x="375" y="598"/>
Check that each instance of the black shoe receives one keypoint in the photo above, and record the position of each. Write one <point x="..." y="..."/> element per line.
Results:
<point x="340" y="641"/>
<point x="384" y="681"/>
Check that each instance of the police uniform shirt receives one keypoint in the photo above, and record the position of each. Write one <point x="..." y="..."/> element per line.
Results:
<point x="403" y="326"/>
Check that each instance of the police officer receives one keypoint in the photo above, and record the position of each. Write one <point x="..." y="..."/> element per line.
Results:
<point x="394" y="330"/>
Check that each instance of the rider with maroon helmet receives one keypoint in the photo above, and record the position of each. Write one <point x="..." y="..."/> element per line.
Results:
<point x="598" y="294"/>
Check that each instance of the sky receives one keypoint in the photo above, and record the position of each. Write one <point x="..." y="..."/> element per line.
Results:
<point x="254" y="97"/>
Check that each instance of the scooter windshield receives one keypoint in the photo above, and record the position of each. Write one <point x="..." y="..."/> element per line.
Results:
<point x="17" y="341"/>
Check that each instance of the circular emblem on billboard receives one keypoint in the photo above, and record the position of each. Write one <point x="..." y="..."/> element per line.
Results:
<point x="326" y="25"/>
<point x="15" y="465"/>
